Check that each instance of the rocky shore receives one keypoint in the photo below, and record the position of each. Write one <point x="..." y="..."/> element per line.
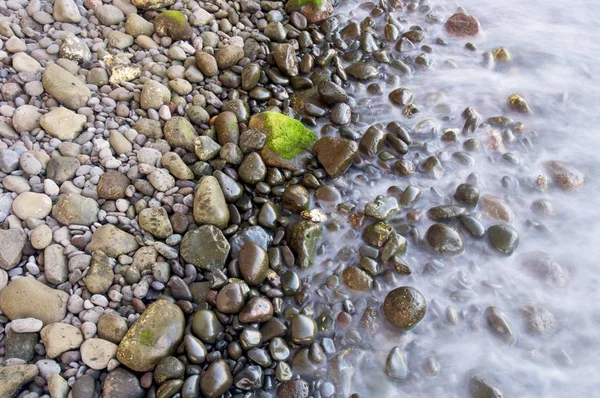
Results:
<point x="176" y="174"/>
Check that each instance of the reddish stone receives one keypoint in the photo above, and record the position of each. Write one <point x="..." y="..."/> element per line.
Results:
<point x="462" y="25"/>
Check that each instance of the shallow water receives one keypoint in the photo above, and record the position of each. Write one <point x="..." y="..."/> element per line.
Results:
<point x="555" y="50"/>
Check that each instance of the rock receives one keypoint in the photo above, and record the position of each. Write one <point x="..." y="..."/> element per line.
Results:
<point x="119" y="143"/>
<point x="304" y="237"/>
<point x="499" y="325"/>
<point x="22" y="62"/>
<point x="61" y="169"/>
<point x="32" y="205"/>
<point x="9" y="160"/>
<point x="121" y="383"/>
<point x="229" y="56"/>
<point x="205" y="247"/>
<point x="176" y="166"/>
<point x="206" y="326"/>
<point x="335" y="154"/>
<point x="295" y="198"/>
<point x="137" y="26"/>
<point x="26" y="325"/>
<point x="315" y="11"/>
<point x="217" y="380"/>
<point x="332" y="93"/>
<point x="112" y="327"/>
<point x="57" y="386"/>
<point x="357" y="279"/>
<point x="545" y="268"/>
<point x="362" y="71"/>
<point x="462" y="25"/>
<point x="161" y="180"/>
<point x="565" y="176"/>
<point x="20" y="345"/>
<point x="109" y="15"/>
<point x="154" y="95"/>
<point x="84" y="387"/>
<point x="172" y="23"/>
<point x="75" y="209"/>
<point x="155" y="221"/>
<point x="288" y="141"/>
<point x="75" y="49"/>
<point x="285" y="58"/>
<point x="395" y="364"/>
<point x="404" y="307"/>
<point x="156" y="334"/>
<point x="12" y="378"/>
<point x="28" y="298"/>
<point x="206" y="63"/>
<point x="258" y="309"/>
<point x="112" y="241"/>
<point x="252" y="170"/>
<point x="55" y="264"/>
<point x="59" y="338"/>
<point x="210" y="206"/>
<point x="26" y="118"/>
<point x="152" y="4"/>
<point x="254" y="234"/>
<point x="12" y="242"/>
<point x="539" y="321"/>
<point x="503" y="238"/>
<point x="518" y="104"/>
<point x="63" y="123"/>
<point x="382" y="208"/>
<point x="100" y="276"/>
<point x="378" y="234"/>
<point x="481" y="386"/>
<point x="253" y="263"/>
<point x="66" y="11"/>
<point x="444" y="239"/>
<point x="96" y="353"/>
<point x="180" y="133"/>
<point x="64" y="87"/>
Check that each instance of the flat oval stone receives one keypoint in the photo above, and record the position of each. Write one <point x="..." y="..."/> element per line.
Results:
<point x="206" y="326"/>
<point x="253" y="263"/>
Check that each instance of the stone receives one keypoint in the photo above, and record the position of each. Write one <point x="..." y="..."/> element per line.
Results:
<point x="495" y="207"/>
<point x="335" y="154"/>
<point x="66" y="11"/>
<point x="152" y="4"/>
<point x="32" y="205"/>
<point x="252" y="170"/>
<point x="155" y="334"/>
<point x="172" y="23"/>
<point x="482" y="386"/>
<point x="315" y="11"/>
<point x="20" y="345"/>
<point x="59" y="338"/>
<point x="137" y="26"/>
<point x="206" y="63"/>
<point x="28" y="298"/>
<point x="288" y="141"/>
<point x="75" y="49"/>
<point x="155" y="221"/>
<point x="55" y="264"/>
<point x="100" y="275"/>
<point x="109" y="15"/>
<point x="12" y="378"/>
<point x="303" y="330"/>
<point x="121" y="383"/>
<point x="64" y="87"/>
<point x="96" y="353"/>
<point x="357" y="279"/>
<point x="205" y="247"/>
<point x="503" y="238"/>
<point x="84" y="387"/>
<point x="112" y="241"/>
<point x="253" y="263"/>
<point x="57" y="386"/>
<point x="206" y="326"/>
<point x="75" y="209"/>
<point x="12" y="242"/>
<point x="180" y="133"/>
<point x="304" y="237"/>
<point x="63" y="123"/>
<point x="462" y="25"/>
<point x="565" y="176"/>
<point x="21" y="62"/>
<point x="216" y="380"/>
<point x="395" y="364"/>
<point x="26" y="118"/>
<point x="62" y="168"/>
<point x="210" y="206"/>
<point x="229" y="56"/>
<point x="26" y="325"/>
<point x="444" y="239"/>
<point x="404" y="307"/>
<point x="154" y="95"/>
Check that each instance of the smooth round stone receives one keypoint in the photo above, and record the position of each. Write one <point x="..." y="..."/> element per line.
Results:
<point x="444" y="239"/>
<point x="253" y="169"/>
<point x="112" y="327"/>
<point x="169" y="389"/>
<point x="250" y="76"/>
<point x="216" y="380"/>
<point x="499" y="325"/>
<point x="340" y="114"/>
<point x="473" y="225"/>
<point x="250" y="338"/>
<point x="295" y="198"/>
<point x="118" y="383"/>
<point x="503" y="238"/>
<point x="206" y="326"/>
<point x="168" y="368"/>
<point x="250" y="378"/>
<point x="290" y="283"/>
<point x="195" y="349"/>
<point x="230" y="299"/>
<point x="467" y="194"/>
<point x="303" y="329"/>
<point x="482" y="386"/>
<point x="191" y="387"/>
<point x="32" y="205"/>
<point x="404" y="307"/>
<point x="279" y="349"/>
<point x="253" y="263"/>
<point x="395" y="364"/>
<point x="258" y="309"/>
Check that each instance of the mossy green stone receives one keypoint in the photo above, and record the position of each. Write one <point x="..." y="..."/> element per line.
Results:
<point x="288" y="140"/>
<point x="173" y="24"/>
<point x="156" y="334"/>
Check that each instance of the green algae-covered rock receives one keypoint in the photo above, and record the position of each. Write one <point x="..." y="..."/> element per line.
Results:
<point x="179" y="132"/>
<point x="155" y="335"/>
<point x="288" y="140"/>
<point x="152" y="4"/>
<point x="304" y="237"/>
<point x="314" y="10"/>
<point x="173" y="24"/>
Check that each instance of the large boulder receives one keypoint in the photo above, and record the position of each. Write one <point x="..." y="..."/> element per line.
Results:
<point x="156" y="334"/>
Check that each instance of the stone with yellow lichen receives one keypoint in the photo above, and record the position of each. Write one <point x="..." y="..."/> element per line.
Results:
<point x="501" y="54"/>
<point x="517" y="103"/>
<point x="156" y="334"/>
<point x="121" y="69"/>
<point x="152" y="4"/>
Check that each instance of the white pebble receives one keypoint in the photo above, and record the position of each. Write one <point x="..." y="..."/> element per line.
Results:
<point x="26" y="325"/>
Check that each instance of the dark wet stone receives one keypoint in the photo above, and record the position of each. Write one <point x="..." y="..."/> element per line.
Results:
<point x="335" y="154"/>
<point x="357" y="279"/>
<point x="253" y="169"/>
<point x="332" y="93"/>
<point x="404" y="307"/>
<point x="340" y="114"/>
<point x="467" y="194"/>
<point x="191" y="387"/>
<point x="285" y="58"/>
<point x="121" y="383"/>
<point x="499" y="325"/>
<point x="258" y="309"/>
<point x="169" y="389"/>
<point x="290" y="283"/>
<point x="249" y="379"/>
<point x="304" y="237"/>
<point x="503" y="238"/>
<point x="401" y="96"/>
<point x="433" y="167"/>
<point x="295" y="198"/>
<point x="473" y="225"/>
<point x="254" y="234"/>
<point x="195" y="349"/>
<point x="168" y="368"/>
<point x="372" y="141"/>
<point x="206" y="326"/>
<point x="230" y="299"/>
<point x="445" y="212"/>
<point x="444" y="239"/>
<point x="410" y="196"/>
<point x="482" y="386"/>
<point x="205" y="247"/>
<point x="382" y="208"/>
<point x="377" y="234"/>
<point x="293" y="389"/>
<point x="362" y="71"/>
<point x="303" y="329"/>
<point x="253" y="263"/>
<point x="216" y="380"/>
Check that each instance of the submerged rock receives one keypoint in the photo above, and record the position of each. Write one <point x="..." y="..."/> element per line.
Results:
<point x="404" y="307"/>
<point x="462" y="25"/>
<point x="444" y="239"/>
<point x="335" y="154"/>
<point x="304" y="237"/>
<point x="565" y="176"/>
